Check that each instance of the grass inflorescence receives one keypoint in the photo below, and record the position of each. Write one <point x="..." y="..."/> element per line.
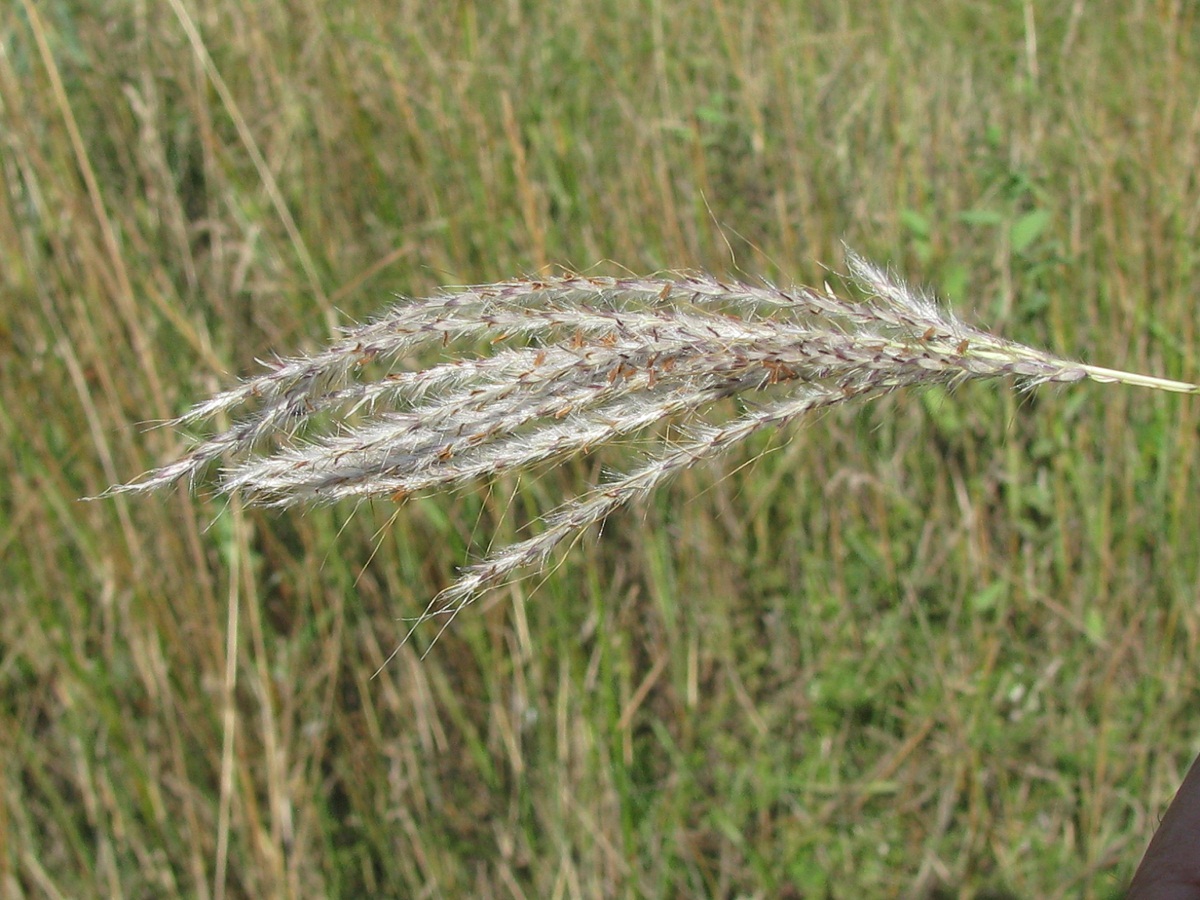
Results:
<point x="576" y="363"/>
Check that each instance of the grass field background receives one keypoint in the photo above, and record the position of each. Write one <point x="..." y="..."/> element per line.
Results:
<point x="940" y="646"/>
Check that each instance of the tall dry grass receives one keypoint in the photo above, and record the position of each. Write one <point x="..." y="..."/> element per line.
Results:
<point x="948" y="649"/>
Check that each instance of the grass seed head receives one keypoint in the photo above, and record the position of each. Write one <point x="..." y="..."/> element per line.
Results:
<point x="575" y="363"/>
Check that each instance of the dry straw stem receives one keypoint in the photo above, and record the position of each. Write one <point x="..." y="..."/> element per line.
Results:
<point x="575" y="363"/>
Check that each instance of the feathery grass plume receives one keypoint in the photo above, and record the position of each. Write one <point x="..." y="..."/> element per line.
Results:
<point x="581" y="362"/>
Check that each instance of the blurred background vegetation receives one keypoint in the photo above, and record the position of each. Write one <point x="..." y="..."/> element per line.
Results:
<point x="940" y="646"/>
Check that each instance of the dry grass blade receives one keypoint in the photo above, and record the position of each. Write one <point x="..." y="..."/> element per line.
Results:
<point x="585" y="361"/>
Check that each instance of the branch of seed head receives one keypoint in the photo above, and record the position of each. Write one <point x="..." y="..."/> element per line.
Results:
<point x="573" y="518"/>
